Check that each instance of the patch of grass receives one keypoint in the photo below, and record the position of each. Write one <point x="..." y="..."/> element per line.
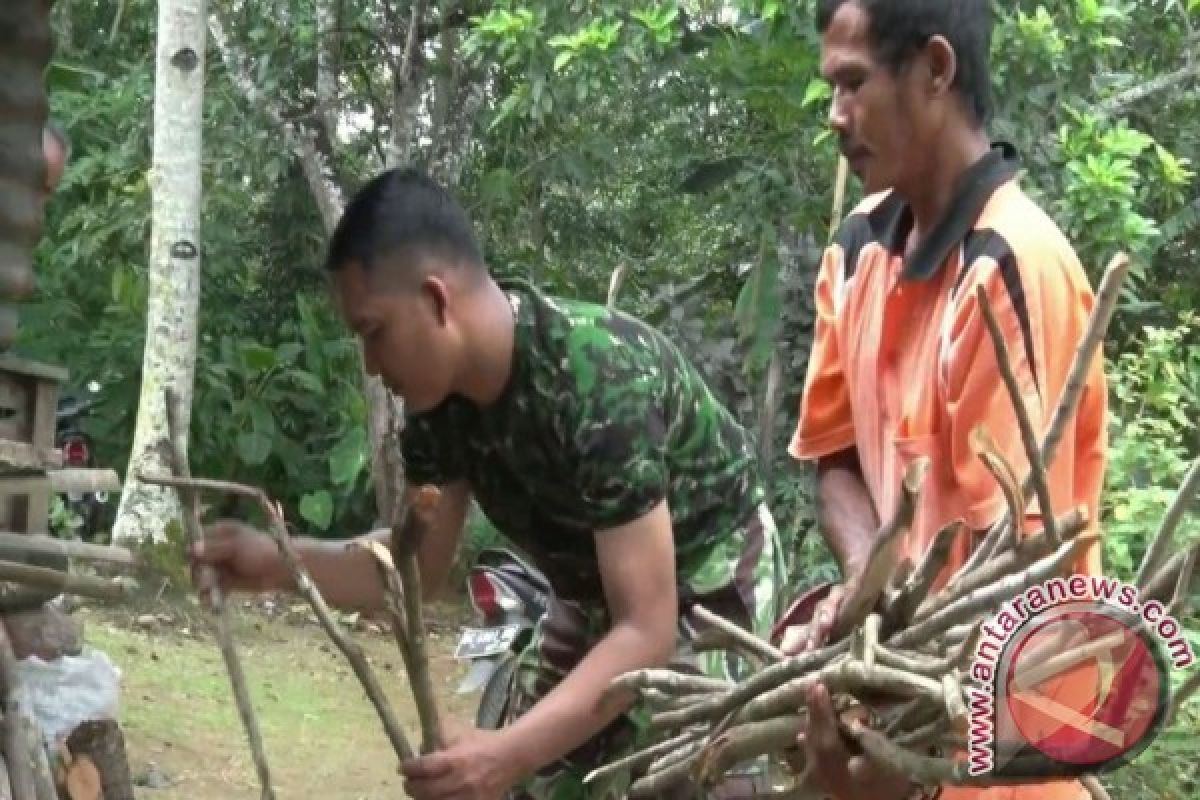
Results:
<point x="321" y="735"/>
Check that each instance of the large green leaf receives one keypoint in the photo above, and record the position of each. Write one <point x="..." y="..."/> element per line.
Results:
<point x="348" y="457"/>
<point x="253" y="448"/>
<point x="317" y="508"/>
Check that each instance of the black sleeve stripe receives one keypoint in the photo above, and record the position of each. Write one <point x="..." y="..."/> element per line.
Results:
<point x="853" y="235"/>
<point x="990" y="244"/>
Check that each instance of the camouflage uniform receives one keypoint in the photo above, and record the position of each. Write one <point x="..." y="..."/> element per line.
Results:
<point x="601" y="419"/>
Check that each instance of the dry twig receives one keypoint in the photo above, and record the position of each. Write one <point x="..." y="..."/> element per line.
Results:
<point x="305" y="586"/>
<point x="216" y="602"/>
<point x="1037" y="468"/>
<point x="1161" y="543"/>
<point x="744" y="638"/>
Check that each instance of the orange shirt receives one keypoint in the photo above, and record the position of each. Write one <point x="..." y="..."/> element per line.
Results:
<point x="902" y="365"/>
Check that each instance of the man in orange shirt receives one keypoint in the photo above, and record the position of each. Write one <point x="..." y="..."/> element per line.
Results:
<point x="902" y="365"/>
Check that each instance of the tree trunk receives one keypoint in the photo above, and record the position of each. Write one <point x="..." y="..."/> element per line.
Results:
<point x="170" y="352"/>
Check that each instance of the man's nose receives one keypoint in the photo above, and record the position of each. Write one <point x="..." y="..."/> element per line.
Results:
<point x="839" y="113"/>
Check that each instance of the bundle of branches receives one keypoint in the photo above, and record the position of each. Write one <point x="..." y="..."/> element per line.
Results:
<point x="898" y="657"/>
<point x="397" y="565"/>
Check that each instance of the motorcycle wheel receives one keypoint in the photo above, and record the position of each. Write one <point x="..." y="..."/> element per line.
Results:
<point x="494" y="702"/>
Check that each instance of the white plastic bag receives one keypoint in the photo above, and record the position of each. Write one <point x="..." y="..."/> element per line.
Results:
<point x="70" y="690"/>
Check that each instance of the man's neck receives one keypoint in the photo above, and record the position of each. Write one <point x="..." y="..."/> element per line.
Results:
<point x="490" y="335"/>
<point x="931" y="200"/>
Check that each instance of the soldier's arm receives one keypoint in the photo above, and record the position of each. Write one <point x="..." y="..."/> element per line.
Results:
<point x="637" y="566"/>
<point x="347" y="577"/>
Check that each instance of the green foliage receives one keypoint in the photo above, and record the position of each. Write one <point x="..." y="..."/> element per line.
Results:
<point x="1155" y="391"/>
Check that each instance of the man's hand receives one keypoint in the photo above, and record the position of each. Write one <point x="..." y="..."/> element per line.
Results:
<point x="845" y="775"/>
<point x="242" y="557"/>
<point x="802" y="638"/>
<point x="476" y="765"/>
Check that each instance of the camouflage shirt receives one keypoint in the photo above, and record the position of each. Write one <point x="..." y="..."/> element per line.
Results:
<point x="602" y="418"/>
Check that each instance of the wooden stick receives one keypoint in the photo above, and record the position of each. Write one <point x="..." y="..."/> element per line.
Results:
<point x="993" y="460"/>
<point x="717" y="706"/>
<point x="1165" y="581"/>
<point x="864" y="593"/>
<point x="1095" y="788"/>
<point x="916" y="588"/>
<point x="1181" y="695"/>
<point x="746" y="742"/>
<point x="983" y="599"/>
<point x="305" y="586"/>
<point x="763" y="649"/>
<point x="1031" y="549"/>
<point x="668" y="681"/>
<point x="24" y="744"/>
<point x="20" y="765"/>
<point x="1037" y="468"/>
<point x="643" y="757"/>
<point x="66" y="582"/>
<point x="1161" y="543"/>
<point x="407" y="532"/>
<point x="849" y="677"/>
<point x="41" y="544"/>
<point x="1098" y="321"/>
<point x="190" y="500"/>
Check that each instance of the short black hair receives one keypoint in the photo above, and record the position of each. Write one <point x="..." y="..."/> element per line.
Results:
<point x="899" y="28"/>
<point x="403" y="212"/>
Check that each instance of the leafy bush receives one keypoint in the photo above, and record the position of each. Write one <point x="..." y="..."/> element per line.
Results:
<point x="1155" y="402"/>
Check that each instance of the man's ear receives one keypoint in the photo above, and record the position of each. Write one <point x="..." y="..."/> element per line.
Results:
<point x="434" y="292"/>
<point x="941" y="63"/>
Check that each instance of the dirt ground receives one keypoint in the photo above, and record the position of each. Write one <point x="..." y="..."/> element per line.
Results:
<point x="183" y="735"/>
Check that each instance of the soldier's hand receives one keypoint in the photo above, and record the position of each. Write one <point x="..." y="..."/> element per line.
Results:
<point x="241" y="557"/>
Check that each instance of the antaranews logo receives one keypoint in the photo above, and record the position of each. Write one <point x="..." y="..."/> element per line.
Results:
<point x="1071" y="677"/>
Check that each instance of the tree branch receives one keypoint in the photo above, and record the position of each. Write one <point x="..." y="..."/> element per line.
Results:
<point x="195" y="533"/>
<point x="1037" y="469"/>
<point x="305" y="586"/>
<point x="1121" y="102"/>
<point x="317" y="171"/>
<point x="1161" y="543"/>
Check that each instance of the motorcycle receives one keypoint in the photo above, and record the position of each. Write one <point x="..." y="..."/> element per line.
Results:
<point x="77" y="451"/>
<point x="509" y="597"/>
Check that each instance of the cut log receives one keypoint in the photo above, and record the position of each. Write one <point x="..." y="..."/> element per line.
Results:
<point x="102" y="742"/>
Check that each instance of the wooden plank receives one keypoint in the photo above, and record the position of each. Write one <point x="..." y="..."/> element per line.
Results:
<point x="44" y="544"/>
<point x="33" y="369"/>
<point x="45" y="404"/>
<point x="61" y="480"/>
<point x="22" y="457"/>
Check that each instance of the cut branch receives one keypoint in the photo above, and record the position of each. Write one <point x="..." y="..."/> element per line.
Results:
<point x="1037" y="468"/>
<point x="407" y="533"/>
<point x="744" y="638"/>
<point x="1160" y="545"/>
<point x="208" y="579"/>
<point x="307" y="589"/>
<point x="983" y="599"/>
<point x="917" y="587"/>
<point x="865" y="592"/>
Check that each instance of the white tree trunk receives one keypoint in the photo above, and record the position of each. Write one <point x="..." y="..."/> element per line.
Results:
<point x="174" y="292"/>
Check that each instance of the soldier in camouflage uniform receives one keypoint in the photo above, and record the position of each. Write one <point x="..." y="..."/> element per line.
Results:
<point x="587" y="438"/>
